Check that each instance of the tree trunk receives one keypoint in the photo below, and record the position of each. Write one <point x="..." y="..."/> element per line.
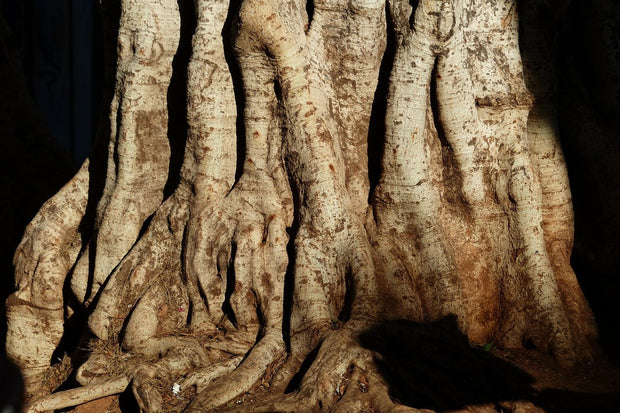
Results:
<point x="268" y="249"/>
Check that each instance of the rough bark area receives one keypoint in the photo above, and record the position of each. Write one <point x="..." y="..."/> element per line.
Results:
<point x="272" y="252"/>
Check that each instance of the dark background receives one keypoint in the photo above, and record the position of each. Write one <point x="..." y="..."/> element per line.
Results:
<point x="51" y="76"/>
<point x="62" y="66"/>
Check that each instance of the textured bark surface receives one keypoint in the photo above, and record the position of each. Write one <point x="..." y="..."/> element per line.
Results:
<point x="253" y="271"/>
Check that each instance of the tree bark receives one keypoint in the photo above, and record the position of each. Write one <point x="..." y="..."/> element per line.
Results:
<point x="273" y="251"/>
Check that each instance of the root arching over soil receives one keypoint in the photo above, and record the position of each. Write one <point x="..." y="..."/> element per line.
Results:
<point x="256" y="284"/>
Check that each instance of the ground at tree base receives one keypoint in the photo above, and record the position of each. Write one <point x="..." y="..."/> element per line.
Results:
<point x="592" y="387"/>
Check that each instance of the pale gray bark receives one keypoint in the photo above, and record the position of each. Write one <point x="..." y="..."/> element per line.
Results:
<point x="226" y="286"/>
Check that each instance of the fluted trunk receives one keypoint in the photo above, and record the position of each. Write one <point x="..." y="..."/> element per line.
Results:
<point x="223" y="274"/>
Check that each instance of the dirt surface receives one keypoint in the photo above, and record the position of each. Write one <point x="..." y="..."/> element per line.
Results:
<point x="105" y="405"/>
<point x="594" y="387"/>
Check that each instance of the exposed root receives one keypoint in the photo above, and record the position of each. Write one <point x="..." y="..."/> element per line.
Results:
<point x="201" y="378"/>
<point x="326" y="381"/>
<point x="80" y="395"/>
<point x="342" y="378"/>
<point x="246" y="237"/>
<point x="242" y="379"/>
<point x="254" y="295"/>
<point x="330" y="375"/>
<point x="51" y="243"/>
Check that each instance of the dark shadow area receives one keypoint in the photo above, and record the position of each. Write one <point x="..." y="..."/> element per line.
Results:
<point x="303" y="369"/>
<point x="432" y="366"/>
<point x="12" y="386"/>
<point x="108" y="14"/>
<point x="349" y="296"/>
<point x="76" y="333"/>
<point x="289" y="277"/>
<point x="177" y="95"/>
<point x="589" y="119"/>
<point x="310" y="11"/>
<point x="33" y="166"/>
<point x="561" y="401"/>
<point x="230" y="286"/>
<point x="127" y="402"/>
<point x="414" y="7"/>
<point x="376" y="128"/>
<point x="581" y="45"/>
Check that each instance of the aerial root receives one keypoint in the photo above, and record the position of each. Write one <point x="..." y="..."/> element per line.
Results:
<point x="77" y="396"/>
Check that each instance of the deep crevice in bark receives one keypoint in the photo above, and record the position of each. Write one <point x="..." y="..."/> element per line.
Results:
<point x="177" y="96"/>
<point x="228" y="30"/>
<point x="295" y="382"/>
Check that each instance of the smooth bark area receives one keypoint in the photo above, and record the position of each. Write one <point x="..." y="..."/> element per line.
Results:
<point x="248" y="273"/>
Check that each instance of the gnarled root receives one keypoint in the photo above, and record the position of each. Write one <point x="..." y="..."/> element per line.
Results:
<point x="33" y="357"/>
<point x="234" y="287"/>
<point x="342" y="378"/>
<point x="155" y="258"/>
<point x="43" y="258"/>
<point x="255" y="242"/>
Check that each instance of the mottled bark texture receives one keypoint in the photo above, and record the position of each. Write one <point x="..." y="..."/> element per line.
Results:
<point x="221" y="276"/>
